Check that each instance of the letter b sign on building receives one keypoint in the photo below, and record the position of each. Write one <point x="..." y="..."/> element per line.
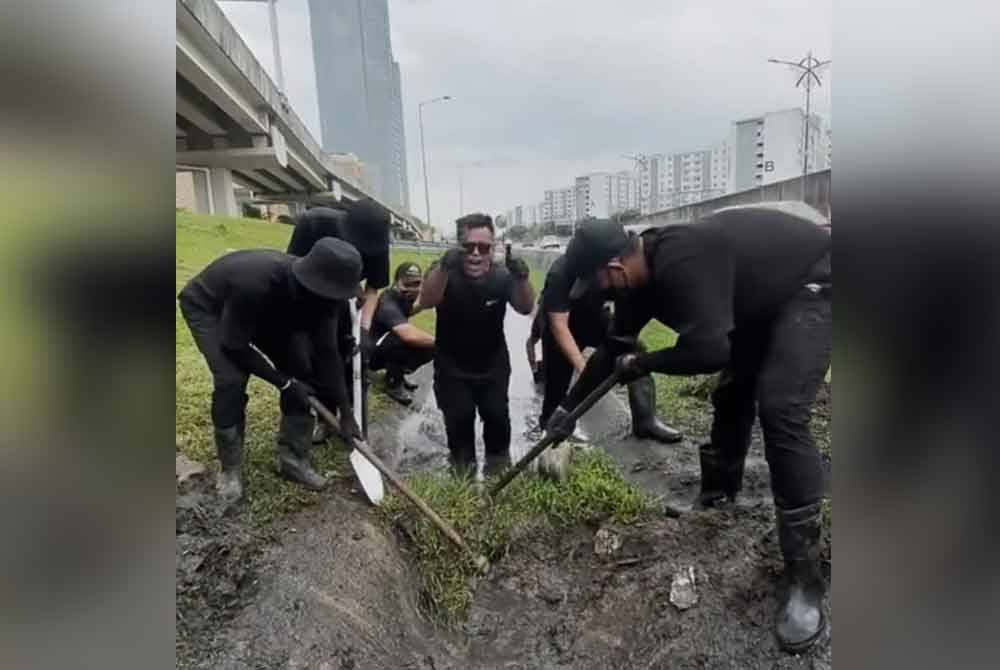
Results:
<point x="769" y="166"/>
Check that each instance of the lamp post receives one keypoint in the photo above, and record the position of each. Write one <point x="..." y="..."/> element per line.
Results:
<point x="809" y="68"/>
<point x="423" y="154"/>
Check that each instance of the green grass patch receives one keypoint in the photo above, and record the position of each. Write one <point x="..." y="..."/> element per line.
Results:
<point x="593" y="492"/>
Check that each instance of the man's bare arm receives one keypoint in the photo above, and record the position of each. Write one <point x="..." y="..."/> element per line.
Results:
<point x="559" y="321"/>
<point x="432" y="289"/>
<point x="413" y="336"/>
<point x="522" y="297"/>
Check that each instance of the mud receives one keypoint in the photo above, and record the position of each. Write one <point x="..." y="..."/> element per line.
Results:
<point x="330" y="588"/>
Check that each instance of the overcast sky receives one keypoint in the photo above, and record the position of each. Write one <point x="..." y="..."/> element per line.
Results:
<point x="546" y="90"/>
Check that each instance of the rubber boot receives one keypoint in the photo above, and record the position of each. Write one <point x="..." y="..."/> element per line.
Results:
<point x="294" y="445"/>
<point x="720" y="481"/>
<point x="496" y="464"/>
<point x="461" y="466"/>
<point x="801" y="621"/>
<point x="229" y="445"/>
<point x="395" y="390"/>
<point x="642" y="400"/>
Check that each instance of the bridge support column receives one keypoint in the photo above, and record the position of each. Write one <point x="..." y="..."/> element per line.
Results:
<point x="223" y="196"/>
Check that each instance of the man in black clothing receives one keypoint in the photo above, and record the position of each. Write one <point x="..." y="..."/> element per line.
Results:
<point x="534" y="337"/>
<point x="573" y="325"/>
<point x="400" y="347"/>
<point x="255" y="303"/>
<point x="472" y="362"/>
<point x="365" y="225"/>
<point x="748" y="292"/>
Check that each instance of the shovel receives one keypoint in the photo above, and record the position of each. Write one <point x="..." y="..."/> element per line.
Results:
<point x="549" y="440"/>
<point x="368" y="475"/>
<point x="373" y="462"/>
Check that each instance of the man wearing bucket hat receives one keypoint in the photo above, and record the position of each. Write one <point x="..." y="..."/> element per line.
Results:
<point x="400" y="347"/>
<point x="748" y="292"/>
<point x="272" y="315"/>
<point x="365" y="225"/>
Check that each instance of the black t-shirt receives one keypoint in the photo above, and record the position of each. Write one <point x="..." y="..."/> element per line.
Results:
<point x="392" y="310"/>
<point x="320" y="222"/>
<point x="256" y="297"/>
<point x="470" y="338"/>
<point x="709" y="279"/>
<point x="588" y="321"/>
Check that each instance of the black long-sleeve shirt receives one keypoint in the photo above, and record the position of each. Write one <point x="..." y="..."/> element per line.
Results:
<point x="708" y="279"/>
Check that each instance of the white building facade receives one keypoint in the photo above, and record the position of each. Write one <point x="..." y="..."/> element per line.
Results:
<point x="671" y="180"/>
<point x="770" y="148"/>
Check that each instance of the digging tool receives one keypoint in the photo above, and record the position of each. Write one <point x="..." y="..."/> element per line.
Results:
<point x="549" y="440"/>
<point x="371" y="480"/>
<point x="364" y="452"/>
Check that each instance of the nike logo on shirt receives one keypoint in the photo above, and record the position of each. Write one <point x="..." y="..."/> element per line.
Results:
<point x="490" y="303"/>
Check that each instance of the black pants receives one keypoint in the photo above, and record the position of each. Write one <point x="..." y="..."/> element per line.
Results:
<point x="397" y="358"/>
<point x="775" y="370"/>
<point x="290" y="353"/>
<point x="558" y="371"/>
<point x="459" y="399"/>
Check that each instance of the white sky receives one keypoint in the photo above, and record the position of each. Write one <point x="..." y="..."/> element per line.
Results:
<point x="548" y="89"/>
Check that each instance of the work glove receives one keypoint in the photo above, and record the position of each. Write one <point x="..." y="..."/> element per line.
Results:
<point x="348" y="346"/>
<point x="349" y="429"/>
<point x="518" y="268"/>
<point x="558" y="425"/>
<point x="452" y="259"/>
<point x="628" y="368"/>
<point x="298" y="390"/>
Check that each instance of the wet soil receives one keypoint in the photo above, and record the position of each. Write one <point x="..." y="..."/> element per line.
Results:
<point x="330" y="588"/>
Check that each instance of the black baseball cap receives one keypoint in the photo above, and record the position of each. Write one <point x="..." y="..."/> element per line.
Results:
<point x="331" y="269"/>
<point x="408" y="273"/>
<point x="593" y="244"/>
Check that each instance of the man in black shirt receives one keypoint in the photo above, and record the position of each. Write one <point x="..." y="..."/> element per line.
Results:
<point x="471" y="362"/>
<point x="573" y="325"/>
<point x="400" y="347"/>
<point x="748" y="292"/>
<point x="365" y="225"/>
<point x="255" y="303"/>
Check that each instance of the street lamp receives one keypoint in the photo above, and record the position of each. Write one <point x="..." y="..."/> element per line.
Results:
<point x="275" y="45"/>
<point x="809" y="68"/>
<point x="423" y="154"/>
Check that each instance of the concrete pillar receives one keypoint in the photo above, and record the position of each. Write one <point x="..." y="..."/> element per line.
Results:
<point x="223" y="198"/>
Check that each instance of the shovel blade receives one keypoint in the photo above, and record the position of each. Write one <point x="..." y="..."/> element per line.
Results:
<point x="369" y="476"/>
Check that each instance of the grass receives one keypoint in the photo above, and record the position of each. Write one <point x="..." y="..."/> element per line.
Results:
<point x="593" y="492"/>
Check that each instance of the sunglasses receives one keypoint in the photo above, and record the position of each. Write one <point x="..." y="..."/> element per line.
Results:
<point x="413" y="285"/>
<point x="482" y="247"/>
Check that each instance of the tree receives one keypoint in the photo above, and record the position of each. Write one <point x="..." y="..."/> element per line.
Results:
<point x="500" y="221"/>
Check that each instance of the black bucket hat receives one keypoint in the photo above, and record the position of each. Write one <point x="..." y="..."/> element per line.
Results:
<point x="594" y="244"/>
<point x="331" y="269"/>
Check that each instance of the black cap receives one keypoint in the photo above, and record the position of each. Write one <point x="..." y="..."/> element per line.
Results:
<point x="331" y="269"/>
<point x="594" y="244"/>
<point x="369" y="227"/>
<point x="408" y="272"/>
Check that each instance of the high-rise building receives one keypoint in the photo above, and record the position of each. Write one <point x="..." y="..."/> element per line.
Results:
<point x="672" y="180"/>
<point x="560" y="207"/>
<point x="769" y="148"/>
<point x="603" y="194"/>
<point x="359" y="89"/>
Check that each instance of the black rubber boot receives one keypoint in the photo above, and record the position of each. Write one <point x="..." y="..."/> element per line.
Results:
<point x="720" y="481"/>
<point x="461" y="466"/>
<point x="229" y="446"/>
<point x="642" y="400"/>
<point x="496" y="464"/>
<point x="294" y="445"/>
<point x="395" y="390"/>
<point x="801" y="621"/>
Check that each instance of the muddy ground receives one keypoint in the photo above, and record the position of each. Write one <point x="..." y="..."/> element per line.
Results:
<point x="332" y="588"/>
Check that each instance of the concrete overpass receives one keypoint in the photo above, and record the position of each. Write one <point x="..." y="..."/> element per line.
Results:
<point x="815" y="206"/>
<point x="235" y="127"/>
